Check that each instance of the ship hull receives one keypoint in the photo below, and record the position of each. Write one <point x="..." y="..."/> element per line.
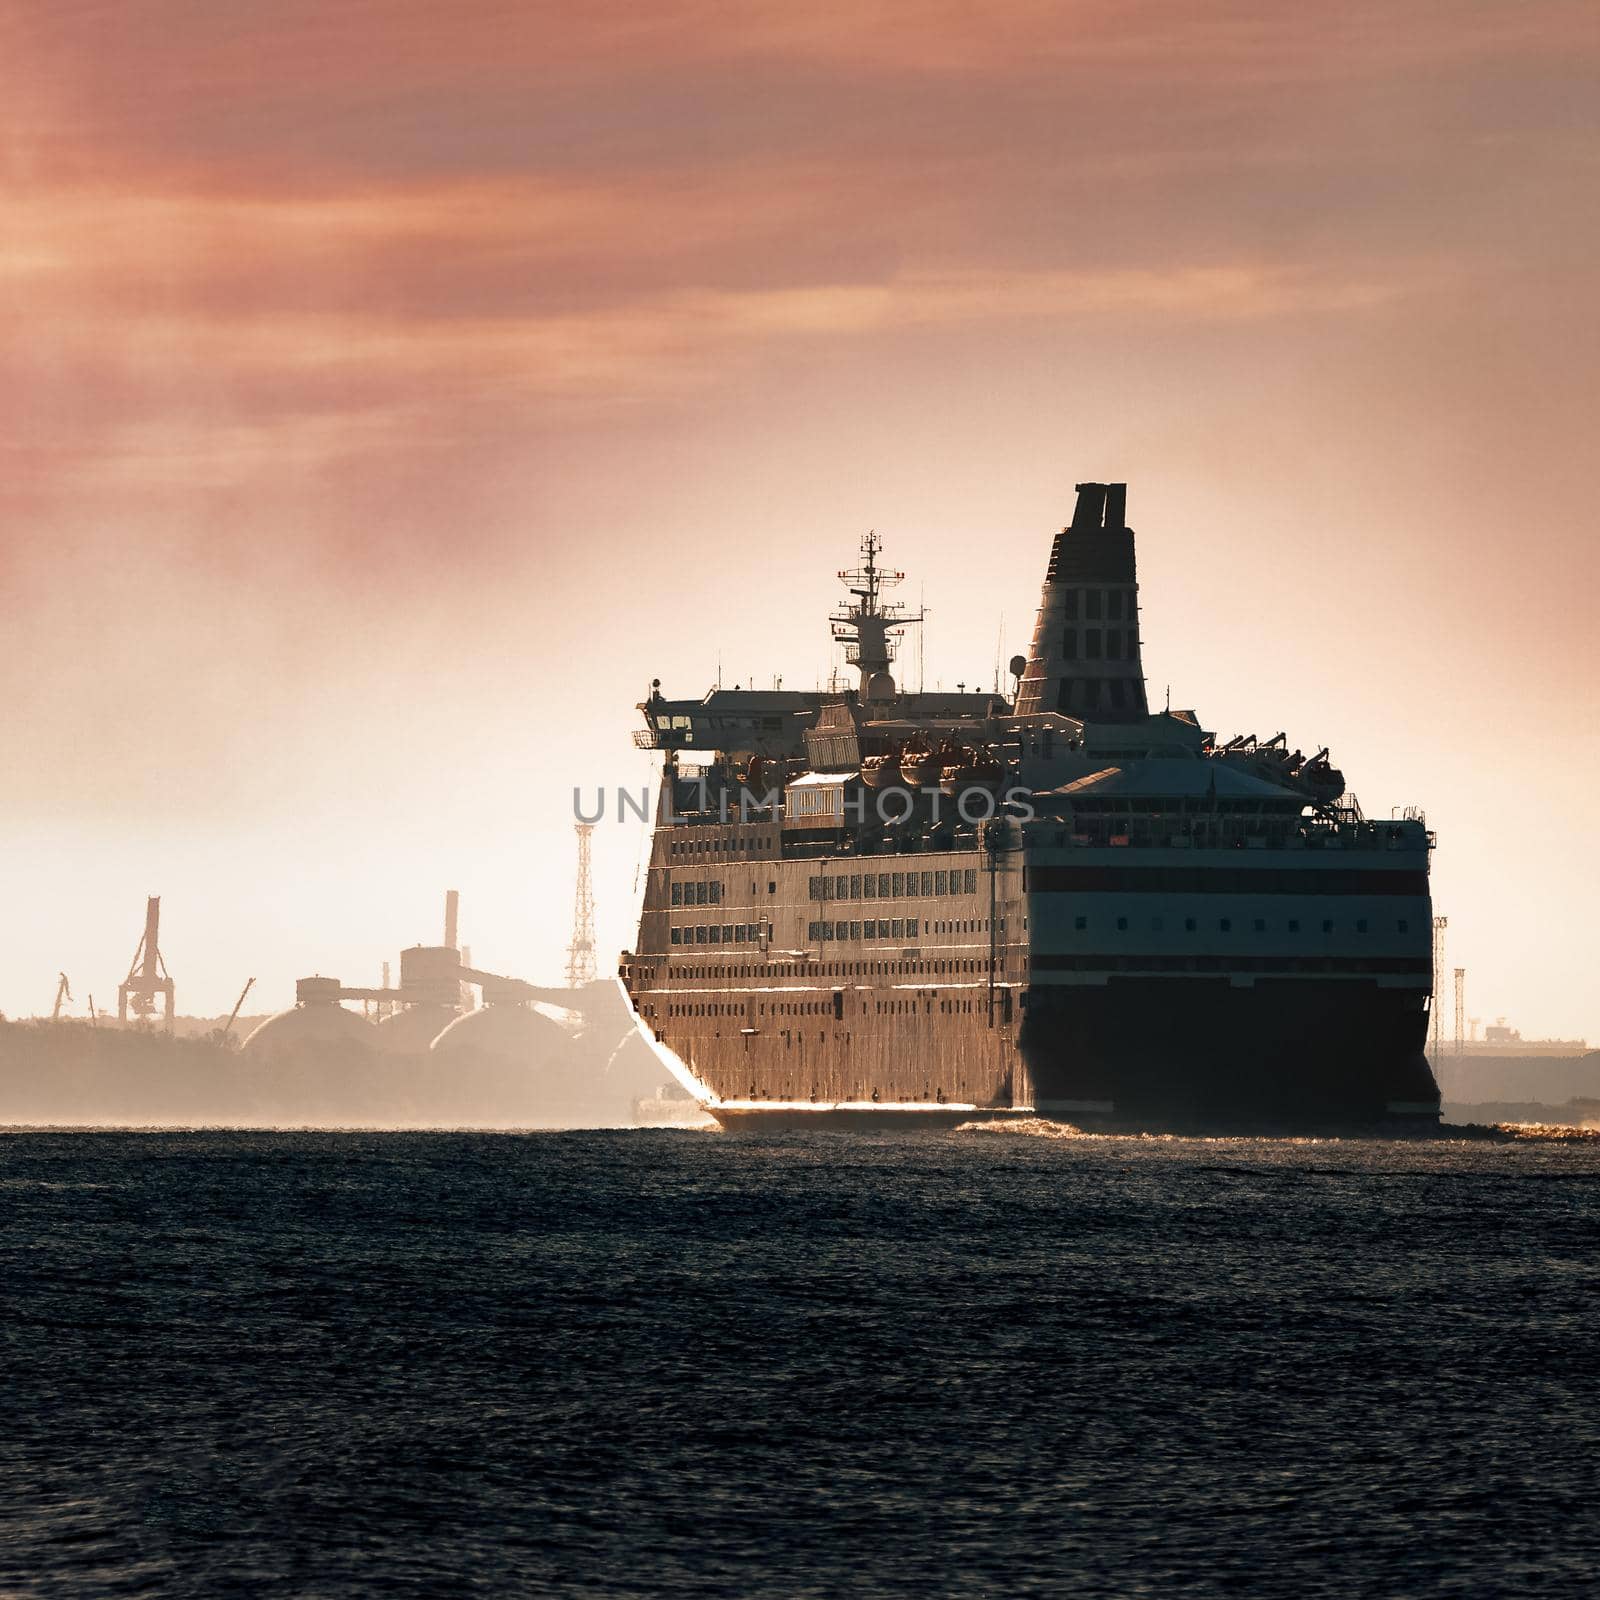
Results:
<point x="1286" y="1055"/>
<point x="1147" y="1055"/>
<point x="1142" y="988"/>
<point x="857" y="1117"/>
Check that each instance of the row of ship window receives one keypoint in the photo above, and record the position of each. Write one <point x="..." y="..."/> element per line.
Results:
<point x="750" y="932"/>
<point x="819" y="1008"/>
<point x="705" y="892"/>
<point x="1225" y="925"/>
<point x="952" y="967"/>
<point x="892" y="885"/>
<point x="880" y="928"/>
<point x="1083" y="694"/>
<point x="720" y="933"/>
<point x="1097" y="645"/>
<point x="827" y="932"/>
<point x="1111" y="604"/>
<point x="701" y="844"/>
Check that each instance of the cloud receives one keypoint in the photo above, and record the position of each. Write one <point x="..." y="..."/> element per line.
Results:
<point x="245" y="248"/>
<point x="245" y="375"/>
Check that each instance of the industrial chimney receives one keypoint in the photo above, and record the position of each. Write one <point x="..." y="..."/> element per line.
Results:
<point x="1085" y="659"/>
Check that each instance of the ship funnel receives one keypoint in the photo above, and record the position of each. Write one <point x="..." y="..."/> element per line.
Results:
<point x="1085" y="659"/>
<point x="1090" y="511"/>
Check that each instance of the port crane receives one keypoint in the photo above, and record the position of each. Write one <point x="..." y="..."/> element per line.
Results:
<point x="233" y="1016"/>
<point x="148" y="975"/>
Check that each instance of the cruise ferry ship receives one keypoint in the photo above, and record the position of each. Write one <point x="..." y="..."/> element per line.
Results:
<point x="880" y="907"/>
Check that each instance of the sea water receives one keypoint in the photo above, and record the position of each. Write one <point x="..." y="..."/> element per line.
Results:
<point x="986" y="1362"/>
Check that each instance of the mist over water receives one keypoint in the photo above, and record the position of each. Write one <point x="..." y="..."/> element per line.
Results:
<point x="693" y="1364"/>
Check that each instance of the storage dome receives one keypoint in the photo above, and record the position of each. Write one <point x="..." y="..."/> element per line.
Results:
<point x="504" y="1032"/>
<point x="412" y="1029"/>
<point x="318" y="1026"/>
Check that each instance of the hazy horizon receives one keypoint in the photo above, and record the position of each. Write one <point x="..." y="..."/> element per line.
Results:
<point x="390" y="395"/>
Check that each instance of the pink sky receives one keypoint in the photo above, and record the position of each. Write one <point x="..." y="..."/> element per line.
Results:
<point x="389" y="392"/>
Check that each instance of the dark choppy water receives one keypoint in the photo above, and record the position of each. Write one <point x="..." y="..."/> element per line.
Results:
<point x="689" y="1364"/>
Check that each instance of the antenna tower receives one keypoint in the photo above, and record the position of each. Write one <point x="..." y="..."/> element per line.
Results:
<point x="580" y="953"/>
<point x="869" y="627"/>
<point x="1439" y="925"/>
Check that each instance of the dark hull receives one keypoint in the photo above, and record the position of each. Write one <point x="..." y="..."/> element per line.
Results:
<point x="1281" y="1055"/>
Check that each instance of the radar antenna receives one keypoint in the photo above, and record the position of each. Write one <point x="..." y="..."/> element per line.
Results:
<point x="868" y="626"/>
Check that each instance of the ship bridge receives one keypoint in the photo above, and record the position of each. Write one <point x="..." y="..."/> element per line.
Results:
<point x="764" y="722"/>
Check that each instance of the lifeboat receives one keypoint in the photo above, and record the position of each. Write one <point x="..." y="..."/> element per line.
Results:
<point x="879" y="771"/>
<point x="957" y="761"/>
<point x="920" y="767"/>
<point x="974" y="770"/>
<point x="1325" y="782"/>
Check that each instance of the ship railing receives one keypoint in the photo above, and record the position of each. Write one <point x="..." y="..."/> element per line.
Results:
<point x="1229" y="834"/>
<point x="879" y="848"/>
<point x="733" y="818"/>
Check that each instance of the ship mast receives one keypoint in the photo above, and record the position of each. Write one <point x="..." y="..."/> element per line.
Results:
<point x="867" y="625"/>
